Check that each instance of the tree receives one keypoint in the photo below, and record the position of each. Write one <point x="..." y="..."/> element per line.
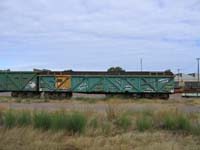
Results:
<point x="116" y="69"/>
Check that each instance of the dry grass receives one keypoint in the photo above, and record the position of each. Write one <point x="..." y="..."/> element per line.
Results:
<point x="114" y="130"/>
<point x="112" y="125"/>
<point x="138" y="141"/>
<point x="30" y="139"/>
<point x="112" y="122"/>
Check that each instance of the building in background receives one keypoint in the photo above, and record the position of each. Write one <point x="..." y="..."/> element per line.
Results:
<point x="187" y="83"/>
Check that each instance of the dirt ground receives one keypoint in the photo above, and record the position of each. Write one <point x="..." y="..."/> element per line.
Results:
<point x="99" y="107"/>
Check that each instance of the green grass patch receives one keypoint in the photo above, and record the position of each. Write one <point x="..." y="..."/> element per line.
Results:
<point x="124" y="121"/>
<point x="183" y="123"/>
<point x="93" y="122"/>
<point x="41" y="120"/>
<point x="9" y="119"/>
<point x="76" y="122"/>
<point x="58" y="121"/>
<point x="176" y="121"/>
<point x="144" y="123"/>
<point x="1" y="118"/>
<point x="72" y="122"/>
<point x="23" y="118"/>
<point x="109" y="124"/>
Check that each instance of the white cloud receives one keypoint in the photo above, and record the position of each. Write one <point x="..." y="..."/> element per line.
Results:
<point x="95" y="34"/>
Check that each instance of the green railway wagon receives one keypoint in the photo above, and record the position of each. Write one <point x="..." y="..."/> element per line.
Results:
<point x="146" y="86"/>
<point x="63" y="84"/>
<point x="18" y="81"/>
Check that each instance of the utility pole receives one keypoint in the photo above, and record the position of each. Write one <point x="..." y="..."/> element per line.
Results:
<point x="179" y="77"/>
<point x="198" y="76"/>
<point x="141" y="64"/>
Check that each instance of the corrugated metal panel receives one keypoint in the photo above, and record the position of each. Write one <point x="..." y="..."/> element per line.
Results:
<point x="18" y="81"/>
<point x="122" y="84"/>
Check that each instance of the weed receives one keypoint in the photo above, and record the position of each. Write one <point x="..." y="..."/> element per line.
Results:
<point x="93" y="123"/>
<point x="1" y="118"/>
<point x="143" y="123"/>
<point x="175" y="121"/>
<point x="147" y="113"/>
<point x="123" y="122"/>
<point x="169" y="122"/>
<point x="42" y="120"/>
<point x="9" y="119"/>
<point x="58" y="121"/>
<point x="72" y="122"/>
<point x="106" y="128"/>
<point x="76" y="122"/>
<point x="196" y="129"/>
<point x="111" y="113"/>
<point x="183" y="123"/>
<point x="23" y="118"/>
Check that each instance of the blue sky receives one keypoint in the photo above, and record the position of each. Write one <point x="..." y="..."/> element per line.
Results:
<point x="97" y="34"/>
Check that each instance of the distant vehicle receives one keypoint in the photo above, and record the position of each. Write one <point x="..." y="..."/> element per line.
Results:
<point x="62" y="84"/>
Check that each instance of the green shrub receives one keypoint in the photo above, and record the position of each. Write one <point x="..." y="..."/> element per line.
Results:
<point x="143" y="123"/>
<point x="9" y="119"/>
<point x="42" y="120"/>
<point x="123" y="122"/>
<point x="24" y="118"/>
<point x="76" y="122"/>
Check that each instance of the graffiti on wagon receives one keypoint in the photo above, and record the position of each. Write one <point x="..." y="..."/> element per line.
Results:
<point x="83" y="86"/>
<point x="163" y="80"/>
<point x="31" y="85"/>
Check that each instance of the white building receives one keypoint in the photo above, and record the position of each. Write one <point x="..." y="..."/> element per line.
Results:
<point x="186" y="77"/>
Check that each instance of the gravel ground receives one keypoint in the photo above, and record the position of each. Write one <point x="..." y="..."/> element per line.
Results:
<point x="99" y="107"/>
<point x="102" y="106"/>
